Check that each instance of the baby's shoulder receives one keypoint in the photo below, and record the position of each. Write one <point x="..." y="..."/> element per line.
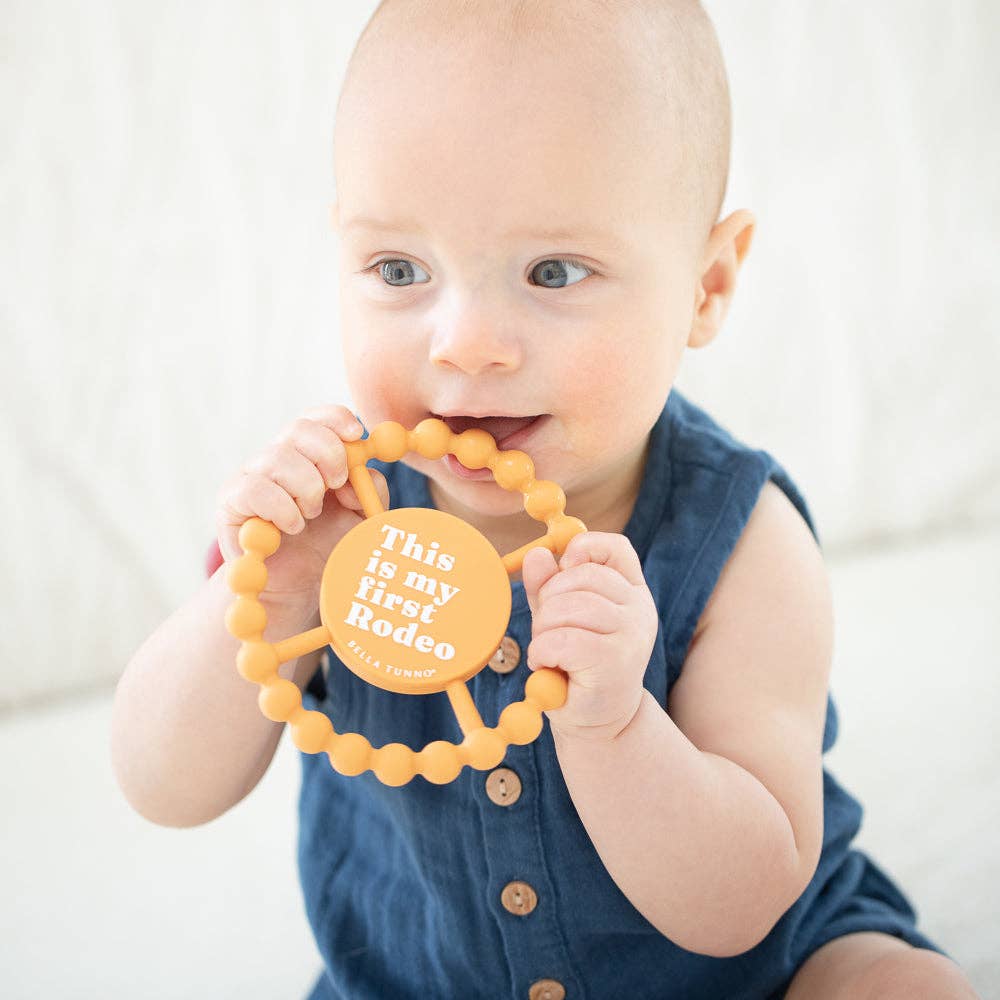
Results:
<point x="712" y="467"/>
<point x="715" y="504"/>
<point x="774" y="568"/>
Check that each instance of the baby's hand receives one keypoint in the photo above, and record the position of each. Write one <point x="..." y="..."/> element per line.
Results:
<point x="594" y="617"/>
<point x="288" y="483"/>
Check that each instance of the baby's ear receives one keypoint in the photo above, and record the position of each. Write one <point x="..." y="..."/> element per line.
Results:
<point x="727" y="246"/>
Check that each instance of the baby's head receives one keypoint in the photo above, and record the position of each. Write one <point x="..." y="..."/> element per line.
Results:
<point x="545" y="180"/>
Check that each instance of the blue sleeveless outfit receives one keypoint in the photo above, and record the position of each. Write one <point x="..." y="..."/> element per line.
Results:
<point x="405" y="888"/>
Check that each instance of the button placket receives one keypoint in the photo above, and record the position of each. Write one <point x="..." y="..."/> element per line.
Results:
<point x="520" y="892"/>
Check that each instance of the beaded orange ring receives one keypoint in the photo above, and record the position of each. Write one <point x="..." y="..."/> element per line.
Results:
<point x="473" y="625"/>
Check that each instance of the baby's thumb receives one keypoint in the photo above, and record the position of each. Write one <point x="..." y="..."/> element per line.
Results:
<point x="537" y="567"/>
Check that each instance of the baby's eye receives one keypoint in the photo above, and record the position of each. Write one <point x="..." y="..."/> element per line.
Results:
<point x="399" y="273"/>
<point x="553" y="273"/>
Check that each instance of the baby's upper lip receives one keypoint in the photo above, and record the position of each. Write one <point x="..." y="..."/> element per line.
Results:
<point x="499" y="425"/>
<point x="480" y="415"/>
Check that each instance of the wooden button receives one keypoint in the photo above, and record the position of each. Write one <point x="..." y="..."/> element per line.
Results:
<point x="518" y="898"/>
<point x="547" y="989"/>
<point x="503" y="786"/>
<point x="507" y="657"/>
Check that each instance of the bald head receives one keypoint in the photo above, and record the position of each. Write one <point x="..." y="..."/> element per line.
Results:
<point x="658" y="61"/>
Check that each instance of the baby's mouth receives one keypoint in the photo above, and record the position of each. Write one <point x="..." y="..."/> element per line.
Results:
<point x="509" y="433"/>
<point x="499" y="428"/>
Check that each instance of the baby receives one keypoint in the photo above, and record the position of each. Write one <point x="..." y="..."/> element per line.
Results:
<point x="528" y="201"/>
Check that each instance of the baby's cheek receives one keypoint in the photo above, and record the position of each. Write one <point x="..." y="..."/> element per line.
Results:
<point x="596" y="390"/>
<point x="382" y="385"/>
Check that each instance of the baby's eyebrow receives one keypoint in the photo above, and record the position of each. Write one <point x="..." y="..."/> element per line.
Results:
<point x="568" y="235"/>
<point x="368" y="222"/>
<point x="551" y="235"/>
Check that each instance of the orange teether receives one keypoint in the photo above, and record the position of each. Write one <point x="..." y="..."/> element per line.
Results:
<point x="413" y="600"/>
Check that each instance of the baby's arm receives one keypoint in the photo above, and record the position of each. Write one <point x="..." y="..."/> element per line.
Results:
<point x="188" y="740"/>
<point x="710" y="819"/>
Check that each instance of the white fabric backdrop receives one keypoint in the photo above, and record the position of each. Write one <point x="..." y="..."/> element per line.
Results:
<point x="168" y="298"/>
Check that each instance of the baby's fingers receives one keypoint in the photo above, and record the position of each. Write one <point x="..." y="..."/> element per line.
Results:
<point x="319" y="443"/>
<point x="249" y="495"/>
<point x="295" y="473"/>
<point x="338" y="418"/>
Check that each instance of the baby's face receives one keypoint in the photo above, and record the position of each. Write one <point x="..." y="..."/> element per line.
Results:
<point x="511" y="244"/>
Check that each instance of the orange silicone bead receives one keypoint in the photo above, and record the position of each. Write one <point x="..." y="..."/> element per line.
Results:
<point x="563" y="528"/>
<point x="278" y="698"/>
<point x="257" y="661"/>
<point x="521" y="722"/>
<point x="310" y="730"/>
<point x="247" y="574"/>
<point x="389" y="441"/>
<point x="474" y="448"/>
<point x="514" y="470"/>
<point x="440" y="762"/>
<point x="431" y="438"/>
<point x="547" y="688"/>
<point x="350" y="754"/>
<point x="246" y="618"/>
<point x="259" y="536"/>
<point x="395" y="764"/>
<point x="544" y="499"/>
<point x="484" y="748"/>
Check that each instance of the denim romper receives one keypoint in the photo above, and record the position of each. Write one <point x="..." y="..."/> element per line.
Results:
<point x="404" y="887"/>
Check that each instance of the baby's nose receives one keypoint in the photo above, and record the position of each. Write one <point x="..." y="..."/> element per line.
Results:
<point x="474" y="343"/>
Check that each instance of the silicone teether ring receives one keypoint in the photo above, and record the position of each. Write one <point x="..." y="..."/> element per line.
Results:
<point x="351" y="753"/>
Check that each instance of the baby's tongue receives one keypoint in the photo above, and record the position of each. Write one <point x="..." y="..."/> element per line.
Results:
<point x="499" y="427"/>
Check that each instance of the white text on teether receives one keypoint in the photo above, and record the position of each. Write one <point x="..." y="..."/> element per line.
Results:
<point x="372" y="590"/>
<point x="361" y="617"/>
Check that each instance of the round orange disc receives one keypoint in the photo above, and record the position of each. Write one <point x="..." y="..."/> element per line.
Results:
<point x="414" y="599"/>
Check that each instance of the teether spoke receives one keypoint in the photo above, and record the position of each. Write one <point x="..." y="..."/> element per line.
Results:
<point x="464" y="707"/>
<point x="361" y="479"/>
<point x="513" y="561"/>
<point x="304" y="642"/>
